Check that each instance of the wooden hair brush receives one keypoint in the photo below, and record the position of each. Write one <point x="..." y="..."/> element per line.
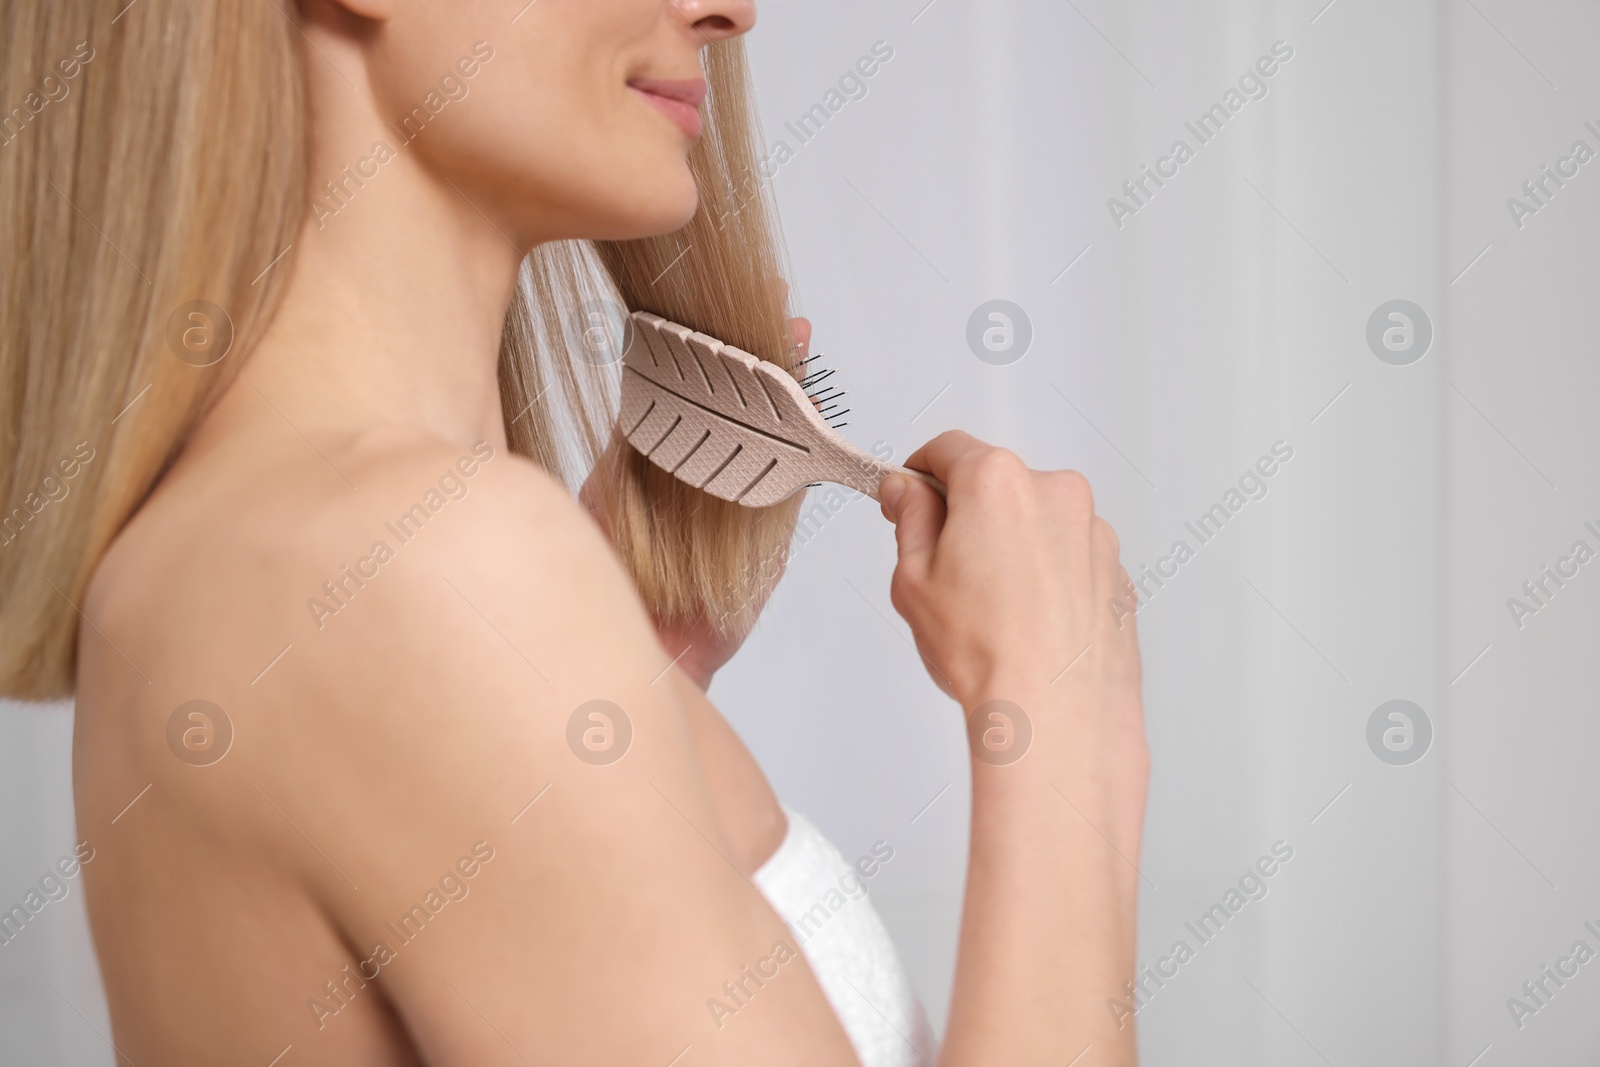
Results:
<point x="740" y="428"/>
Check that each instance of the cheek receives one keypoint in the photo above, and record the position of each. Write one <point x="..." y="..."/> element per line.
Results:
<point x="550" y="132"/>
<point x="623" y="164"/>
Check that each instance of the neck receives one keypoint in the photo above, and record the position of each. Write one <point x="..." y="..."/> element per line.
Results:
<point x="394" y="310"/>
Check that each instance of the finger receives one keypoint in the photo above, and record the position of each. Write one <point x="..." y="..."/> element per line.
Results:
<point x="1110" y="580"/>
<point x="1065" y="504"/>
<point x="918" y="515"/>
<point x="800" y="333"/>
<point x="1116" y="599"/>
<point x="940" y="455"/>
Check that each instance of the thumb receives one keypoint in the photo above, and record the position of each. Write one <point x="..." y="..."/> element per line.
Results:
<point x="917" y="512"/>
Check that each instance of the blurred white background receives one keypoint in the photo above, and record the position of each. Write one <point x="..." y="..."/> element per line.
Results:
<point x="1168" y="354"/>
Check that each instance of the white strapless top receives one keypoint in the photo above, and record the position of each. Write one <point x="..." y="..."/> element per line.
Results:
<point x="823" y="900"/>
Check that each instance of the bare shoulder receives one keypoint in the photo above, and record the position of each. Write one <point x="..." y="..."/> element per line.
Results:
<point x="487" y="742"/>
<point x="445" y="640"/>
<point x="496" y="701"/>
<point x="311" y="599"/>
<point x="455" y="736"/>
<point x="477" y="578"/>
<point x="301" y="547"/>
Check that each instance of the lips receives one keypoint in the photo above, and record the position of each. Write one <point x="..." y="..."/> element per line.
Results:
<point x="679" y="100"/>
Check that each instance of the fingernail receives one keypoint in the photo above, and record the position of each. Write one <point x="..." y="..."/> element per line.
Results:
<point x="891" y="490"/>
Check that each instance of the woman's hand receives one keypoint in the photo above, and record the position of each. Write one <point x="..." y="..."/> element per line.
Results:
<point x="1014" y="592"/>
<point x="702" y="648"/>
<point x="1011" y="578"/>
<point x="1012" y="587"/>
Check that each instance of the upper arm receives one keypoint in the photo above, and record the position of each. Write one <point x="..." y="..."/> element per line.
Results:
<point x="567" y="905"/>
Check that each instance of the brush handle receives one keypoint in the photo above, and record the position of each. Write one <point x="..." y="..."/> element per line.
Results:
<point x="922" y="476"/>
<point x="837" y="460"/>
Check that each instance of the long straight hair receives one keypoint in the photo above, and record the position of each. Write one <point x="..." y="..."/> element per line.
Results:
<point x="157" y="158"/>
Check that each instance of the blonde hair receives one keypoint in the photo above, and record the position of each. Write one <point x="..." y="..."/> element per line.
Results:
<point x="152" y="161"/>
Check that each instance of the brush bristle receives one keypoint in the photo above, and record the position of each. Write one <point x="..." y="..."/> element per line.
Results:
<point x="822" y="395"/>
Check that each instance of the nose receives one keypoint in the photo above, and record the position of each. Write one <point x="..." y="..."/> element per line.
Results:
<point x="717" y="20"/>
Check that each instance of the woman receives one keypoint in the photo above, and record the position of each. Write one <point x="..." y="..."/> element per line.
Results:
<point x="337" y="629"/>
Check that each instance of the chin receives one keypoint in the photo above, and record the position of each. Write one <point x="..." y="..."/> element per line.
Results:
<point x="652" y="202"/>
<point x="669" y="205"/>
